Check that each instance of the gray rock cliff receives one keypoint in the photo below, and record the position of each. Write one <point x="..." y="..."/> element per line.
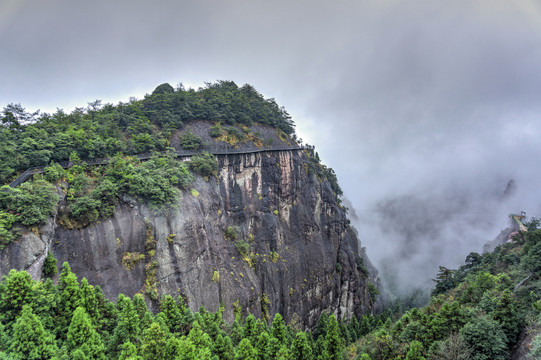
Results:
<point x="294" y="252"/>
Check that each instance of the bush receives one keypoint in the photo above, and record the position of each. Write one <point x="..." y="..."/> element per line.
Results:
<point x="49" y="265"/>
<point x="205" y="164"/>
<point x="243" y="247"/>
<point x="231" y="233"/>
<point x="53" y="172"/>
<point x="190" y="141"/>
<point x="485" y="338"/>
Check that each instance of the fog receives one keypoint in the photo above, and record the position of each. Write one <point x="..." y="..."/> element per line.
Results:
<point x="425" y="109"/>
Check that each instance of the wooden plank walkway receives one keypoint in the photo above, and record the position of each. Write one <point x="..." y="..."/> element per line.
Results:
<point x="145" y="156"/>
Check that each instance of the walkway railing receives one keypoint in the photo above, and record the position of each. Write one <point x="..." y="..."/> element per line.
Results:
<point x="145" y="156"/>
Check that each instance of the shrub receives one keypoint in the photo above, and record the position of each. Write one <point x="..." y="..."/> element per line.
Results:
<point x="49" y="265"/>
<point x="53" y="172"/>
<point x="216" y="131"/>
<point x="231" y="233"/>
<point x="205" y="164"/>
<point x="216" y="276"/>
<point x="130" y="259"/>
<point x="243" y="247"/>
<point x="190" y="141"/>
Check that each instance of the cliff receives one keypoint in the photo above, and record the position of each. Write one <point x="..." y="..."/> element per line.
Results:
<point x="264" y="235"/>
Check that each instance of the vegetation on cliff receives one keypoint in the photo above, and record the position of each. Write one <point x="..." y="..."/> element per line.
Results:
<point x="118" y="132"/>
<point x="137" y="126"/>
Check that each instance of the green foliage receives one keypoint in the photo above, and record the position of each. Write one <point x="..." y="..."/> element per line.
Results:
<point x="30" y="340"/>
<point x="82" y="337"/>
<point x="486" y="339"/>
<point x="231" y="233"/>
<point x="243" y="247"/>
<point x="49" y="265"/>
<point x="204" y="164"/>
<point x="190" y="141"/>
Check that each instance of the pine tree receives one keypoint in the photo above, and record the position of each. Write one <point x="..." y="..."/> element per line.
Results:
<point x="83" y="337"/>
<point x="16" y="292"/>
<point x="262" y="345"/>
<point x="129" y="352"/>
<point x="245" y="351"/>
<point x="414" y="352"/>
<point x="332" y="341"/>
<point x="249" y="331"/>
<point x="70" y="295"/>
<point x="127" y="328"/>
<point x="89" y="301"/>
<point x="301" y="347"/>
<point x="279" y="328"/>
<point x="154" y="342"/>
<point x="30" y="340"/>
<point x="172" y="314"/>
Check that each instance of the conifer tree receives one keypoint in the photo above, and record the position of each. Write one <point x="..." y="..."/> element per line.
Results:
<point x="283" y="353"/>
<point x="249" y="331"/>
<point x="321" y="327"/>
<point x="172" y="314"/>
<point x="89" y="301"/>
<point x="70" y="295"/>
<point x="83" y="337"/>
<point x="414" y="352"/>
<point x="279" y="328"/>
<point x="154" y="342"/>
<point x="129" y="352"/>
<point x="301" y="349"/>
<point x="245" y="351"/>
<point x="139" y="305"/>
<point x="332" y="341"/>
<point x="198" y="337"/>
<point x="223" y="348"/>
<point x="15" y="293"/>
<point x="30" y="340"/>
<point x="262" y="345"/>
<point x="127" y="328"/>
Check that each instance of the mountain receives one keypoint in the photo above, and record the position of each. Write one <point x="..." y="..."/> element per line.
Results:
<point x="217" y="203"/>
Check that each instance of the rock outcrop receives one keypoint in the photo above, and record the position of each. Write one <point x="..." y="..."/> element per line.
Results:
<point x="264" y="236"/>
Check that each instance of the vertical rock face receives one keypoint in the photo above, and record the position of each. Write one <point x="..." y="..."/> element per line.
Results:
<point x="264" y="236"/>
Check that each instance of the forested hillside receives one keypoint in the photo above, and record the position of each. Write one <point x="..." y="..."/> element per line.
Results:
<point x="487" y="309"/>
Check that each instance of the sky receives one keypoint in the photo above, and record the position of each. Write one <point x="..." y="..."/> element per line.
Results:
<point x="426" y="109"/>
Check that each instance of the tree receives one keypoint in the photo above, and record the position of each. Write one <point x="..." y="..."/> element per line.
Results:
<point x="127" y="329"/>
<point x="333" y="346"/>
<point x="245" y="351"/>
<point x="83" y="337"/>
<point x="16" y="292"/>
<point x="301" y="349"/>
<point x="129" y="352"/>
<point x="415" y="351"/>
<point x="453" y="348"/>
<point x="204" y="164"/>
<point x="154" y="342"/>
<point x="485" y="338"/>
<point x="279" y="328"/>
<point x="172" y="314"/>
<point x="30" y="340"/>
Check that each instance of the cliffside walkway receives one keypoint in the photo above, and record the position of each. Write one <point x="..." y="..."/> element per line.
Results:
<point x="181" y="153"/>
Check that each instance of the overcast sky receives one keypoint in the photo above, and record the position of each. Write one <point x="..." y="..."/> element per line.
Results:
<point x="425" y="109"/>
